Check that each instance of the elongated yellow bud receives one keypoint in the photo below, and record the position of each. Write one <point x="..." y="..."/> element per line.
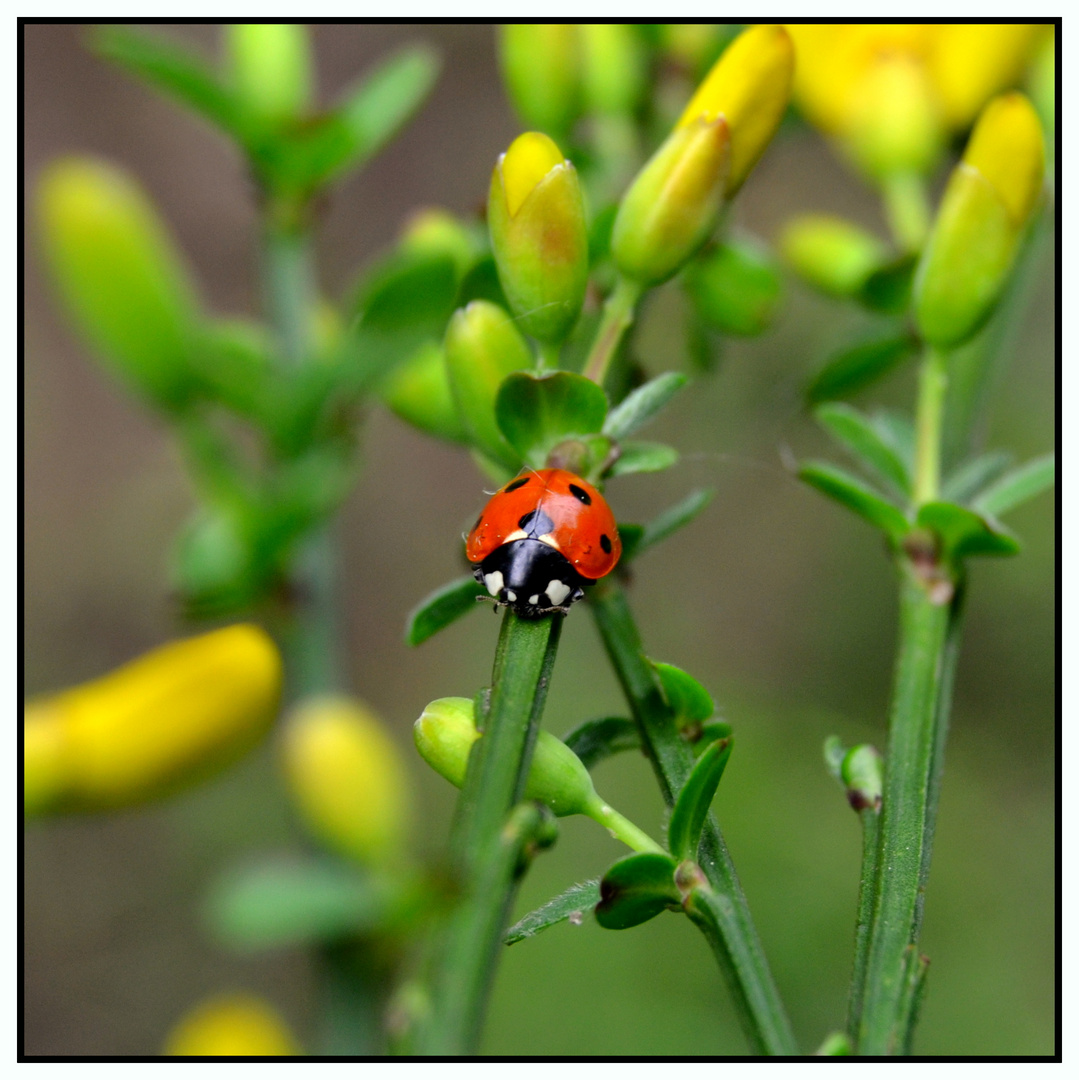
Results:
<point x="237" y="1025"/>
<point x="271" y="68"/>
<point x="163" y="720"/>
<point x="347" y="779"/>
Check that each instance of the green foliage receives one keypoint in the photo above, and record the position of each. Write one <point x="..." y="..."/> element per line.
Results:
<point x="596" y="740"/>
<point x="963" y="532"/>
<point x="693" y="802"/>
<point x="571" y="904"/>
<point x="689" y="701"/>
<point x="866" y="444"/>
<point x="636" y="539"/>
<point x="642" y="405"/>
<point x="636" y="889"/>
<point x="442" y="607"/>
<point x="856" y="368"/>
<point x="1018" y="486"/>
<point x="849" y="491"/>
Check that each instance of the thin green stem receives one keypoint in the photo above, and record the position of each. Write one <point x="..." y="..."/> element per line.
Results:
<point x="906" y="812"/>
<point x="932" y="389"/>
<point x="906" y="207"/>
<point x="733" y="936"/>
<point x="617" y="319"/>
<point x="548" y="356"/>
<point x="288" y="285"/>
<point x="621" y="828"/>
<point x="483" y="857"/>
<point x="870" y="819"/>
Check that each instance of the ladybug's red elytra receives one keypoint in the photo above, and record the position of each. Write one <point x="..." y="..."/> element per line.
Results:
<point x="541" y="539"/>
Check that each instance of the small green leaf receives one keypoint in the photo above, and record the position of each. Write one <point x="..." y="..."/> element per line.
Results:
<point x="281" y="904"/>
<point x="963" y="532"/>
<point x="852" y="493"/>
<point x="536" y="412"/>
<point x="710" y="732"/>
<point x="695" y="798"/>
<point x="636" y="889"/>
<point x="1016" y="487"/>
<point x="175" y="71"/>
<point x="834" y="753"/>
<point x="735" y="287"/>
<point x="440" y="608"/>
<point x="643" y="404"/>
<point x="572" y="904"/>
<point x="855" y="432"/>
<point x="636" y="539"/>
<point x="234" y="360"/>
<point x="887" y="289"/>
<point x="595" y="740"/>
<point x="856" y="368"/>
<point x="970" y="478"/>
<point x="407" y="289"/>
<point x="689" y="700"/>
<point x="638" y="457"/>
<point x="897" y="431"/>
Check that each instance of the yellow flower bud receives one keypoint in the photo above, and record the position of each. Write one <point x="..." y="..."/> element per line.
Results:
<point x="540" y="66"/>
<point x="347" y="779"/>
<point x="120" y="277"/>
<point x="987" y="204"/>
<point x="613" y="67"/>
<point x="831" y="253"/>
<point x="271" y="68"/>
<point x="152" y="725"/>
<point x="749" y="86"/>
<point x="235" y="1025"/>
<point x="535" y="213"/>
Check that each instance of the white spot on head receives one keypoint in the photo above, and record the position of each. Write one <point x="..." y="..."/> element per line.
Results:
<point x="511" y="596"/>
<point x="520" y="534"/>
<point x="534" y="600"/>
<point x="557" y="591"/>
<point x="550" y="541"/>
<point x="493" y="581"/>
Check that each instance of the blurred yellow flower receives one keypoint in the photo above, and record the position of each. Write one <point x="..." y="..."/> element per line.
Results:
<point x="891" y="94"/>
<point x="236" y="1025"/>
<point x="164" y="719"/>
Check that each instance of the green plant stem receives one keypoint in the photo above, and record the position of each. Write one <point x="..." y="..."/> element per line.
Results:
<point x="906" y="209"/>
<point x="483" y="856"/>
<point x="621" y="828"/>
<point x="735" y="942"/>
<point x="932" y="389"/>
<point x="548" y="357"/>
<point x="289" y="290"/>
<point x="617" y="319"/>
<point x="870" y="820"/>
<point x="906" y="823"/>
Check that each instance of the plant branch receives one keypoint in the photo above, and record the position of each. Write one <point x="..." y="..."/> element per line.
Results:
<point x="617" y="319"/>
<point x="733" y="936"/>
<point x="929" y="420"/>
<point x="870" y="820"/>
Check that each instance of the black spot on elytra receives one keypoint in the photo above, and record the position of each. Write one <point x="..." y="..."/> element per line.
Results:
<point x="535" y="523"/>
<point x="580" y="493"/>
<point x="605" y="543"/>
<point x="516" y="484"/>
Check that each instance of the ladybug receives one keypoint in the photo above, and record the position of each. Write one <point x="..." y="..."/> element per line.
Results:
<point x="540" y="540"/>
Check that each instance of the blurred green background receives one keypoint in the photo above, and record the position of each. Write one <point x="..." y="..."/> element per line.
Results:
<point x="780" y="603"/>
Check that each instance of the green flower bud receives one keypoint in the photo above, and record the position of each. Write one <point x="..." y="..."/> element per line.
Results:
<point x="862" y="772"/>
<point x="535" y="213"/>
<point x="483" y="346"/>
<point x="540" y="67"/>
<point x="438" y="232"/>
<point x="613" y="67"/>
<point x="444" y="735"/>
<point x="735" y="288"/>
<point x="987" y="204"/>
<point x="831" y="253"/>
<point x="120" y="277"/>
<point x="418" y="391"/>
<point x="271" y="68"/>
<point x="672" y="204"/>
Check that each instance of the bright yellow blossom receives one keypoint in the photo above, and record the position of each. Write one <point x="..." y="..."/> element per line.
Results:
<point x="236" y="1025"/>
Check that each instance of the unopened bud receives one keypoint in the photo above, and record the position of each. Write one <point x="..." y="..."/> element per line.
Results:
<point x="271" y="68"/>
<point x="418" y="391"/>
<point x="831" y="253"/>
<point x="613" y="67"/>
<point x="541" y="68"/>
<point x="862" y="773"/>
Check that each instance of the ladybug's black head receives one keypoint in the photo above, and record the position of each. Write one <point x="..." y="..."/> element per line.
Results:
<point x="530" y="577"/>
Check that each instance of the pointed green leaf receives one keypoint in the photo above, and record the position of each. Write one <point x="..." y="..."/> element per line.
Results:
<point x="572" y="905"/>
<point x="695" y="798"/>
<point x="443" y="606"/>
<point x="636" y="539"/>
<point x="595" y="740"/>
<point x="638" y="457"/>
<point x="856" y="368"/>
<point x="175" y="71"/>
<point x="636" y="889"/>
<point x="710" y="731"/>
<point x="858" y="435"/>
<point x="643" y="404"/>
<point x="852" y="493"/>
<point x="1016" y="487"/>
<point x="689" y="700"/>
<point x="888" y="289"/>
<point x="970" y="478"/>
<point x="536" y="412"/>
<point x="963" y="532"/>
<point x="897" y="431"/>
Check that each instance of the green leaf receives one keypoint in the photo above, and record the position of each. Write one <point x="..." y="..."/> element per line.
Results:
<point x="574" y="902"/>
<point x="437" y="610"/>
<point x="638" y="457"/>
<point x="636" y="539"/>
<point x="852" y="493"/>
<point x="735" y="287"/>
<point x="595" y="740"/>
<point x="369" y="117"/>
<point x="710" y="732"/>
<point x="536" y="412"/>
<point x="858" y="435"/>
<point x="175" y="71"/>
<point x="888" y="289"/>
<point x="897" y="431"/>
<point x="856" y="368"/>
<point x="643" y="404"/>
<point x="689" y="700"/>
<point x="963" y="532"/>
<point x="970" y="478"/>
<point x="1016" y="487"/>
<point x="281" y="904"/>
<point x="695" y="798"/>
<point x="636" y="889"/>
<point x="234" y="360"/>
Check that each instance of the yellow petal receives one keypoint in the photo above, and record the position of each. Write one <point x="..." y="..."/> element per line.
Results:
<point x="239" y="1025"/>
<point x="529" y="159"/>
<point x="1008" y="149"/>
